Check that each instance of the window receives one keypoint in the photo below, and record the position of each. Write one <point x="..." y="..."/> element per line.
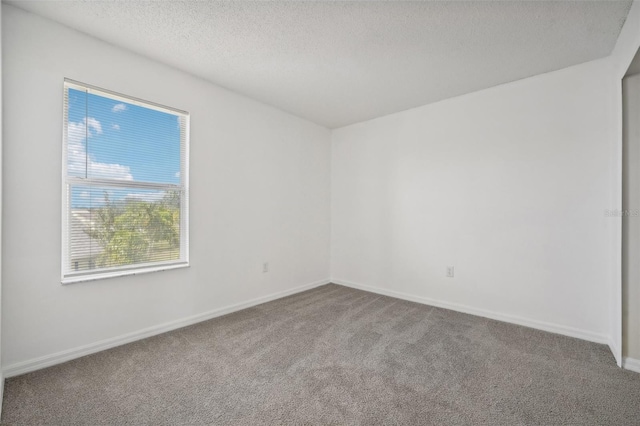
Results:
<point x="125" y="185"/>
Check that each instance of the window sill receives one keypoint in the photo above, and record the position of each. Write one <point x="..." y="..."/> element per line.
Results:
<point x="122" y="272"/>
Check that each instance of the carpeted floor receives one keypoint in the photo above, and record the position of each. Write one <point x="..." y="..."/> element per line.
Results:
<point x="334" y="355"/>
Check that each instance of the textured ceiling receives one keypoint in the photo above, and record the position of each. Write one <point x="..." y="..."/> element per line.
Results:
<point x="337" y="63"/>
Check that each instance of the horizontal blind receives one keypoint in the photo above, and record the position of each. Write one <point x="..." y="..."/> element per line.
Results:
<point x="126" y="182"/>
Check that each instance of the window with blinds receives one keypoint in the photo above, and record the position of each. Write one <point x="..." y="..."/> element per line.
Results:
<point x="125" y="185"/>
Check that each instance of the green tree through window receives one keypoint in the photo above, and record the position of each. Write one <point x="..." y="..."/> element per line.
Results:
<point x="137" y="231"/>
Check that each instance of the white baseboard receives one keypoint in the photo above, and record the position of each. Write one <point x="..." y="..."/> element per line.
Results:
<point x="526" y="322"/>
<point x="631" y="364"/>
<point x="67" y="355"/>
<point x="617" y="354"/>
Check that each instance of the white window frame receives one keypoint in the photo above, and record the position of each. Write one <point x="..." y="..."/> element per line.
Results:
<point x="69" y="276"/>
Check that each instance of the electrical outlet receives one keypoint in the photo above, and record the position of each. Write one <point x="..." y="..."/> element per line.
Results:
<point x="449" y="271"/>
<point x="265" y="267"/>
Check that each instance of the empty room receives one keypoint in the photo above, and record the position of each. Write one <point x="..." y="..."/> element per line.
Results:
<point x="320" y="212"/>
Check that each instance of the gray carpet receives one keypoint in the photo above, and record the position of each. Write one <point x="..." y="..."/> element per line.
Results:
<point x="334" y="355"/>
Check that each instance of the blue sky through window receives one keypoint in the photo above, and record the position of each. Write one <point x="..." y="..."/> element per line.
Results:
<point x="111" y="139"/>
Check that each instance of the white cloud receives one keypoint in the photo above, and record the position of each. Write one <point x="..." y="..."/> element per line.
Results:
<point x="93" y="124"/>
<point x="111" y="171"/>
<point x="119" y="108"/>
<point x="115" y="127"/>
<point x="78" y="162"/>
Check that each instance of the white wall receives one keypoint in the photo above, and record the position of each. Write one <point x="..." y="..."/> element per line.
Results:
<point x="509" y="185"/>
<point x="631" y="222"/>
<point x="259" y="192"/>
<point x="1" y="133"/>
